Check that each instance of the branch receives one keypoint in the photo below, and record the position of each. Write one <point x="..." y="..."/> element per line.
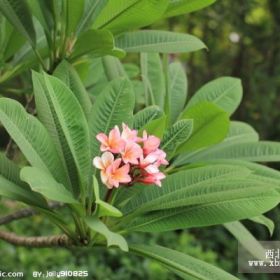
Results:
<point x="23" y="213"/>
<point x="36" y="241"/>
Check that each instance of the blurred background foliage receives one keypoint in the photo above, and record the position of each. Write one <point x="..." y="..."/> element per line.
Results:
<point x="243" y="38"/>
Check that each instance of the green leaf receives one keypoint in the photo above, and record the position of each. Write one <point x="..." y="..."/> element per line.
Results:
<point x="74" y="12"/>
<point x="31" y="137"/>
<point x="46" y="185"/>
<point x="11" y="41"/>
<point x="185" y="265"/>
<point x="61" y="113"/>
<point x="210" y="126"/>
<point x="212" y="213"/>
<point x="258" y="169"/>
<point x="225" y="92"/>
<point x="192" y="186"/>
<point x="132" y="70"/>
<point x="17" y="12"/>
<point x="10" y="171"/>
<point x="179" y="7"/>
<point x="113" y="68"/>
<point x="12" y="187"/>
<point x="105" y="209"/>
<point x="158" y="42"/>
<point x="238" y="133"/>
<point x="12" y="191"/>
<point x="112" y="107"/>
<point x="177" y="89"/>
<point x="153" y="79"/>
<point x="263" y="151"/>
<point x="146" y="115"/>
<point x="176" y="135"/>
<point x="263" y="220"/>
<point x="155" y="127"/>
<point x="95" y="43"/>
<point x="92" y="10"/>
<point x="43" y="12"/>
<point x="130" y="14"/>
<point x="113" y="239"/>
<point x="67" y="73"/>
<point x="246" y="239"/>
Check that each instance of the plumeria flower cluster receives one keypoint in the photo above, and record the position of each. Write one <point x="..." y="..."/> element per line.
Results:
<point x="128" y="159"/>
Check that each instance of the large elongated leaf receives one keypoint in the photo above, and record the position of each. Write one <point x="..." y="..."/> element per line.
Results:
<point x="42" y="10"/>
<point x="212" y="213"/>
<point x="95" y="43"/>
<point x="122" y="15"/>
<point x="178" y="7"/>
<point x="12" y="191"/>
<point x="210" y="126"/>
<point x="263" y="151"/>
<point x="146" y="115"/>
<point x="112" y="107"/>
<point x="158" y="42"/>
<point x="12" y="187"/>
<point x="31" y="137"/>
<point x="67" y="73"/>
<point x="248" y="241"/>
<point x="176" y="135"/>
<point x="155" y="127"/>
<point x="92" y="10"/>
<point x="153" y="79"/>
<point x="113" y="68"/>
<point x="239" y="132"/>
<point x="186" y="186"/>
<point x="17" y="12"/>
<point x="225" y="92"/>
<point x="258" y="169"/>
<point x="182" y="264"/>
<point x="177" y="89"/>
<point x="10" y="40"/>
<point x="10" y="171"/>
<point x="74" y="11"/>
<point x="63" y="116"/>
<point x="263" y="220"/>
<point x="113" y="239"/>
<point x="43" y="183"/>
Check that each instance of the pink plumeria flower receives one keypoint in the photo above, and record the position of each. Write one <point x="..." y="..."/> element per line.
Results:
<point x="116" y="175"/>
<point x="129" y="135"/>
<point x="129" y="158"/>
<point x="103" y="163"/>
<point x="113" y="143"/>
<point x="132" y="152"/>
<point x="152" y="169"/>
<point x="157" y="157"/>
<point x="161" y="157"/>
<point x="150" y="143"/>
<point x="153" y="178"/>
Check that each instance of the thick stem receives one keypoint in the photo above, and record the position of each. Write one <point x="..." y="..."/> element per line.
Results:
<point x="108" y="195"/>
<point x="24" y="213"/>
<point x="36" y="241"/>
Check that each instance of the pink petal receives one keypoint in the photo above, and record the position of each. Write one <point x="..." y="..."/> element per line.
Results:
<point x="107" y="159"/>
<point x="132" y="153"/>
<point x="115" y="133"/>
<point x="98" y="163"/>
<point x="104" y="177"/>
<point x="116" y="164"/>
<point x="152" y="169"/>
<point x="151" y="144"/>
<point x="102" y="138"/>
